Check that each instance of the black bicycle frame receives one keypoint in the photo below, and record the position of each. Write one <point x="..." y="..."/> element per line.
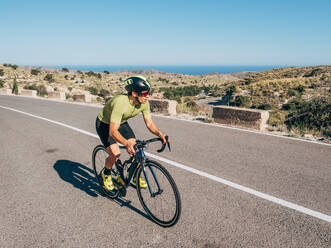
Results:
<point x="140" y="158"/>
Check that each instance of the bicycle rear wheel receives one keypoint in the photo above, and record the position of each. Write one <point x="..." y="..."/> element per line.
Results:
<point x="99" y="156"/>
<point x="163" y="205"/>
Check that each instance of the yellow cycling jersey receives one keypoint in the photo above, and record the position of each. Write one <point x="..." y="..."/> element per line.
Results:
<point x="120" y="108"/>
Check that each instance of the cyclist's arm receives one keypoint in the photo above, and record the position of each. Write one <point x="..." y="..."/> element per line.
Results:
<point x="153" y="128"/>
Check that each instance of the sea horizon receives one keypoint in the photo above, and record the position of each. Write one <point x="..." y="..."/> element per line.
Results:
<point x="182" y="69"/>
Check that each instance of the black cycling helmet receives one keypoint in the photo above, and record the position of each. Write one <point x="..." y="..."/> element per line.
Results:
<point x="137" y="84"/>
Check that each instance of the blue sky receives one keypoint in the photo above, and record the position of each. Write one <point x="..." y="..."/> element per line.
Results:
<point x="168" y="32"/>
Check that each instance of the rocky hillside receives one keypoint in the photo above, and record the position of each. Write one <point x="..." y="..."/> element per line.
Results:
<point x="75" y="81"/>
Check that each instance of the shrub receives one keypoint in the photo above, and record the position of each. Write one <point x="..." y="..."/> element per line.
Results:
<point x="93" y="90"/>
<point x="66" y="77"/>
<point x="2" y="83"/>
<point x="15" y="87"/>
<point x="49" y="78"/>
<point x="104" y="92"/>
<point x="2" y="72"/>
<point x="313" y="86"/>
<point x="13" y="66"/>
<point x="106" y="72"/>
<point x="265" y="106"/>
<point x="313" y="115"/>
<point x="230" y="90"/>
<point x="326" y="131"/>
<point x="65" y="69"/>
<point x="34" y="72"/>
<point x="291" y="92"/>
<point x="293" y="104"/>
<point x="241" y="101"/>
<point x="300" y="89"/>
<point x="276" y="118"/>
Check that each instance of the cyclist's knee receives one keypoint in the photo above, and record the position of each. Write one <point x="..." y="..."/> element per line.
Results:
<point x="114" y="151"/>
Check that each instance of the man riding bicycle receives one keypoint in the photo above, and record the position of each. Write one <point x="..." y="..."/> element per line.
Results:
<point x="112" y="126"/>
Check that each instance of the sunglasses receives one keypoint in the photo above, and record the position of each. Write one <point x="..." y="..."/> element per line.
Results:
<point x="144" y="94"/>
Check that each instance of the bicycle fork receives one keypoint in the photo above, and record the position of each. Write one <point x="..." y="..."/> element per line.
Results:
<point x="159" y="192"/>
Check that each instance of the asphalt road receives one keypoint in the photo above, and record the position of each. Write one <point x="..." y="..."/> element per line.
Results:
<point x="49" y="196"/>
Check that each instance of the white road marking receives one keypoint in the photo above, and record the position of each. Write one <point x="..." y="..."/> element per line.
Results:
<point x="201" y="173"/>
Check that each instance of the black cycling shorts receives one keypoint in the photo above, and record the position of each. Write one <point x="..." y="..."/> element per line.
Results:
<point x="103" y="132"/>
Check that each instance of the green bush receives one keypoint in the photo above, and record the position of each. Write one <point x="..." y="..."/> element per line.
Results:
<point x="291" y="92"/>
<point x="276" y="118"/>
<point x="313" y="115"/>
<point x="241" y="101"/>
<point x="49" y="78"/>
<point x="2" y="72"/>
<point x="326" y="131"/>
<point x="13" y="66"/>
<point x="293" y="104"/>
<point x="65" y="69"/>
<point x="300" y="89"/>
<point x="34" y="72"/>
<point x="106" y="72"/>
<point x="104" y="92"/>
<point x="2" y="83"/>
<point x="15" y="87"/>
<point x="264" y="106"/>
<point x="93" y="90"/>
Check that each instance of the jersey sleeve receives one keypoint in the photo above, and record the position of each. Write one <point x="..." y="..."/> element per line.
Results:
<point x="146" y="110"/>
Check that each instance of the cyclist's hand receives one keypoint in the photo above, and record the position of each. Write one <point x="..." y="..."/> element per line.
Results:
<point x="162" y="136"/>
<point x="129" y="147"/>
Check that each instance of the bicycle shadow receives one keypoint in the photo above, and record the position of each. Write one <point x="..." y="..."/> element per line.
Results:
<point x="82" y="177"/>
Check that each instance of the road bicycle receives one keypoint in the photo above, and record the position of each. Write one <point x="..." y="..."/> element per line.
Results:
<point x="160" y="199"/>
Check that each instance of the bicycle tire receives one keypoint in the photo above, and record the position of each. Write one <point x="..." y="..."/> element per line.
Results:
<point x="164" y="178"/>
<point x="99" y="155"/>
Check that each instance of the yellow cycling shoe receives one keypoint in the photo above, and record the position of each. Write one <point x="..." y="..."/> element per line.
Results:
<point x="107" y="181"/>
<point x="142" y="182"/>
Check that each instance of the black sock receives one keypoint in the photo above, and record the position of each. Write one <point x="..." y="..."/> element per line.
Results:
<point x="107" y="171"/>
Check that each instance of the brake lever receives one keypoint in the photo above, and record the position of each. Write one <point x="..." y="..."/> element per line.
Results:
<point x="164" y="145"/>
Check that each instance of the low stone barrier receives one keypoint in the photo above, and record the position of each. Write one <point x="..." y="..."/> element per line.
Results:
<point x="32" y="93"/>
<point x="82" y="98"/>
<point x="5" y="91"/>
<point x="163" y="106"/>
<point x="251" y="118"/>
<point x="57" y="95"/>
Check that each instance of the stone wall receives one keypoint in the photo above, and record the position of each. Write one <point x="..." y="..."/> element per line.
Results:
<point x="163" y="106"/>
<point x="82" y="98"/>
<point x="23" y="92"/>
<point x="57" y="95"/>
<point x="5" y="91"/>
<point x="250" y="118"/>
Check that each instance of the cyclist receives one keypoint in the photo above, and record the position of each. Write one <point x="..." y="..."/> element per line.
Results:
<point x="112" y="126"/>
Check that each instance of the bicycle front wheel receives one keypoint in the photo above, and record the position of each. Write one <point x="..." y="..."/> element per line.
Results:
<point x="99" y="156"/>
<point x="161" y="199"/>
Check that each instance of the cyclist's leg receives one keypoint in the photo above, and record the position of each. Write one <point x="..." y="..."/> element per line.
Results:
<point x="114" y="153"/>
